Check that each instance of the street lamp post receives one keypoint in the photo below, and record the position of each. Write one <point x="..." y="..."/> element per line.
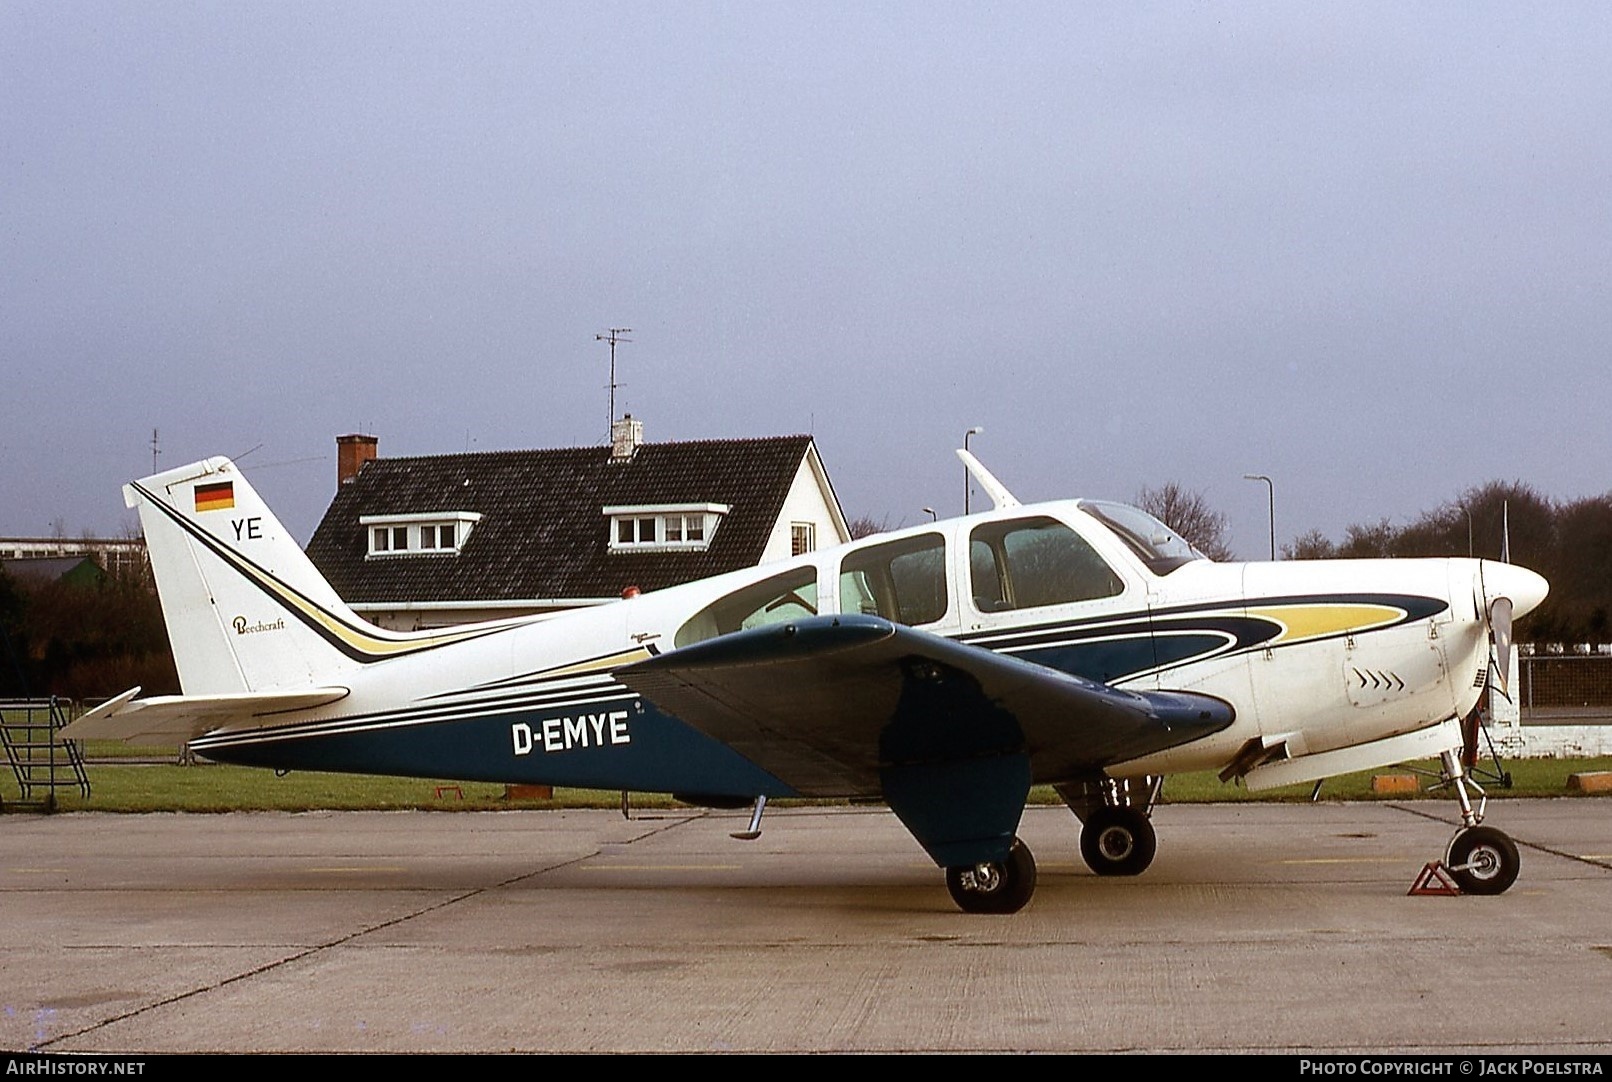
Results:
<point x="1270" y="491"/>
<point x="975" y="431"/>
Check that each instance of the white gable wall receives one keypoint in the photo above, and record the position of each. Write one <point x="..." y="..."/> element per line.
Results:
<point x="810" y="500"/>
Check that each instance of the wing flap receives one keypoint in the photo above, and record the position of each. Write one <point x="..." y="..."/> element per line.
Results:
<point x="825" y="703"/>
<point x="176" y="719"/>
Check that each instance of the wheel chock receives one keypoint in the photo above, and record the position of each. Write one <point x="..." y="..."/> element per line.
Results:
<point x="1435" y="880"/>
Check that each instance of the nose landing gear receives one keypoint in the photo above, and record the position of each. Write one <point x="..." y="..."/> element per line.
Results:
<point x="1481" y="860"/>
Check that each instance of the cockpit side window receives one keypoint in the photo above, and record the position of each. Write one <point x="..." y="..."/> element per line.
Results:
<point x="1031" y="562"/>
<point x="903" y="580"/>
<point x="789" y="596"/>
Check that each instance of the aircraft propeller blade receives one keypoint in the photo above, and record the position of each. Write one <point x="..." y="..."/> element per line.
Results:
<point x="1497" y="614"/>
<point x="1495" y="587"/>
<point x="1500" y="635"/>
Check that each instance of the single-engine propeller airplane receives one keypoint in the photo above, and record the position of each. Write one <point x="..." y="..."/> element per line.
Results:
<point x="943" y="669"/>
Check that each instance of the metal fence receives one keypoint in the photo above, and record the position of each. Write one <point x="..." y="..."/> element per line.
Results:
<point x="1565" y="688"/>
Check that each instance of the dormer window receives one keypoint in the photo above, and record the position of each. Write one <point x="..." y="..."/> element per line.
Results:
<point x="664" y="527"/>
<point x="438" y="533"/>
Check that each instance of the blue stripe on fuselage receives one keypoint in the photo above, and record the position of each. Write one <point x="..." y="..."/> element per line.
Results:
<point x="623" y="743"/>
<point x="1111" y="660"/>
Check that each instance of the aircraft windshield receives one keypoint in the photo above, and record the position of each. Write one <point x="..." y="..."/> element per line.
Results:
<point x="1161" y="548"/>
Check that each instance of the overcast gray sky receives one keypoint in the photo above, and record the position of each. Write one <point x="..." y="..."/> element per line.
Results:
<point x="1365" y="249"/>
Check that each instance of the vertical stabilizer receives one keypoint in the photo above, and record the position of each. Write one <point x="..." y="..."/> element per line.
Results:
<point x="246" y="610"/>
<point x="1000" y="496"/>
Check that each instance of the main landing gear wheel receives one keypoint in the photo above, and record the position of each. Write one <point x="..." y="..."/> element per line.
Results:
<point x="1118" y="841"/>
<point x="994" y="887"/>
<point x="1483" y="860"/>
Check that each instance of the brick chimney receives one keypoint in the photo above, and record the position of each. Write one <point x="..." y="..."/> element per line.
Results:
<point x="351" y="454"/>
<point x="625" y="436"/>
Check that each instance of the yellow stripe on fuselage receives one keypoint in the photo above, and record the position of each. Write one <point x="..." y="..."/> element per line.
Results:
<point x="374" y="646"/>
<point x="1315" y="620"/>
<point x="599" y="664"/>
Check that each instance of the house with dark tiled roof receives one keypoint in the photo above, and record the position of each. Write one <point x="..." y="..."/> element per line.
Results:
<point x="442" y="539"/>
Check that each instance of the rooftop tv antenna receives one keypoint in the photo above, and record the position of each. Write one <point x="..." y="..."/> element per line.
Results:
<point x="155" y="450"/>
<point x="613" y="336"/>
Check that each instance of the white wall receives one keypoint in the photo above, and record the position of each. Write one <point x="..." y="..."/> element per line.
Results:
<point x="808" y="501"/>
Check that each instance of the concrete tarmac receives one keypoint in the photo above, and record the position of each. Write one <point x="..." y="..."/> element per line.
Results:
<point x="1259" y="928"/>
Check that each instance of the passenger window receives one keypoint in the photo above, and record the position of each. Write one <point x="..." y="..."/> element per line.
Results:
<point x="790" y="596"/>
<point x="904" y="580"/>
<point x="1027" y="563"/>
<point x="989" y="595"/>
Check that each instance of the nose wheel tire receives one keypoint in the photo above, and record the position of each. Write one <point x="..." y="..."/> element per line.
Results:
<point x="995" y="886"/>
<point x="1483" y="860"/>
<point x="1118" y="841"/>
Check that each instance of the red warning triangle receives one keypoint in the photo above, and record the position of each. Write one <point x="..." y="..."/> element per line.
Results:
<point x="1435" y="880"/>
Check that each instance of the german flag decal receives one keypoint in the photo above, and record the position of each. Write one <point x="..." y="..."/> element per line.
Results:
<point x="219" y="497"/>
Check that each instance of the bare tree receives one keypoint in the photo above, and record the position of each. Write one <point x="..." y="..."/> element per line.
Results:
<point x="1368" y="541"/>
<point x="1188" y="514"/>
<point x="867" y="526"/>
<point x="1313" y="545"/>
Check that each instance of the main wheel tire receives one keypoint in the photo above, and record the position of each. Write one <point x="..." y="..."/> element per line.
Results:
<point x="1118" y="841"/>
<point x="1483" y="860"/>
<point x="994" y="887"/>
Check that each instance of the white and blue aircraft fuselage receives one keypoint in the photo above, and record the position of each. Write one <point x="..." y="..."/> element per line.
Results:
<point x="944" y="669"/>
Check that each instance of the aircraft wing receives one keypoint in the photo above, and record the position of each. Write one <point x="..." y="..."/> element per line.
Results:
<point x="825" y="703"/>
<point x="175" y="719"/>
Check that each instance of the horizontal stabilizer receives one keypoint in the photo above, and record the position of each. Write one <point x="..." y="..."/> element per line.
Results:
<point x="176" y="719"/>
<point x="826" y="703"/>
